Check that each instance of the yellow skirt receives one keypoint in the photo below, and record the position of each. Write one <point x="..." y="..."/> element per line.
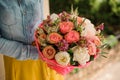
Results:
<point x="29" y="70"/>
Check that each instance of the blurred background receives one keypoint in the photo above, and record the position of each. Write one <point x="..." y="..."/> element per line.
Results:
<point x="98" y="11"/>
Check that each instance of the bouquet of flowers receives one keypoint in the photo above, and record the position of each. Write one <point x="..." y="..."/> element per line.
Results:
<point x="66" y="41"/>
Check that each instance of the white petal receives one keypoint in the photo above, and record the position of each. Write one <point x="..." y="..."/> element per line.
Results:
<point x="62" y="58"/>
<point x="54" y="16"/>
<point x="81" y="55"/>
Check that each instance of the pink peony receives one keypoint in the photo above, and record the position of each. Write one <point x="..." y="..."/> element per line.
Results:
<point x="95" y="40"/>
<point x="66" y="27"/>
<point x="72" y="36"/>
<point x="91" y="48"/>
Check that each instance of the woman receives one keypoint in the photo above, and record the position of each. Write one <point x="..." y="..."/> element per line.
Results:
<point x="17" y="21"/>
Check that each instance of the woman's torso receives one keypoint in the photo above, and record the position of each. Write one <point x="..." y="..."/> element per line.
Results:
<point x="18" y="17"/>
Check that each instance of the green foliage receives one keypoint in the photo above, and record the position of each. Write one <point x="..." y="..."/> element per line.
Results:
<point x="91" y="58"/>
<point x="75" y="70"/>
<point x="115" y="6"/>
<point x="111" y="41"/>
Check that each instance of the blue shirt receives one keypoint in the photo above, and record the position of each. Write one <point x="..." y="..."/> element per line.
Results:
<point x="17" y="25"/>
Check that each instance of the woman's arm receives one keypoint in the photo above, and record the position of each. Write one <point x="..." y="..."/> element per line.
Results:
<point x="17" y="50"/>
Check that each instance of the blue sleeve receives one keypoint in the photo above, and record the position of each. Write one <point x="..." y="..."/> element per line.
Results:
<point x="17" y="50"/>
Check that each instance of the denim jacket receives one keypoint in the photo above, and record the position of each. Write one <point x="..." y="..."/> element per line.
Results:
<point x="17" y="25"/>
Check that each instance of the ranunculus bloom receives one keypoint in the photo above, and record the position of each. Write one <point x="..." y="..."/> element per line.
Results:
<point x="91" y="48"/>
<point x="42" y="36"/>
<point x="62" y="58"/>
<point x="49" y="52"/>
<point x="41" y="39"/>
<point x="66" y="27"/>
<point x="72" y="36"/>
<point x="54" y="38"/>
<point x="81" y="55"/>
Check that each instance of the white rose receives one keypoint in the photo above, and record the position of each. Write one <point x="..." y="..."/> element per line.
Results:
<point x="62" y="58"/>
<point x="81" y="55"/>
<point x="54" y="17"/>
<point x="88" y="28"/>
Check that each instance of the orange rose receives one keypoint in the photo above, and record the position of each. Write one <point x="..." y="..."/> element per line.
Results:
<point x="54" y="38"/>
<point x="42" y="36"/>
<point x="72" y="36"/>
<point x="66" y="27"/>
<point x="49" y="52"/>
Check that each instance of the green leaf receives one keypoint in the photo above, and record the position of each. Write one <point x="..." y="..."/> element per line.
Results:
<point x="104" y="52"/>
<point x="79" y="29"/>
<point x="74" y="20"/>
<point x="104" y="46"/>
<point x="74" y="63"/>
<point x="91" y="57"/>
<point x="111" y="41"/>
<point x="75" y="70"/>
<point x="82" y="22"/>
<point x="70" y="51"/>
<point x="57" y="22"/>
<point x="104" y="56"/>
<point x="72" y="45"/>
<point x="74" y="12"/>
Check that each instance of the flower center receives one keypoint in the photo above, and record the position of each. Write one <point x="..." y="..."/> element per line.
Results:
<point x="64" y="59"/>
<point x="50" y="52"/>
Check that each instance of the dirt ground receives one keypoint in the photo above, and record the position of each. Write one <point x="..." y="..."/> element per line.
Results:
<point x="101" y="68"/>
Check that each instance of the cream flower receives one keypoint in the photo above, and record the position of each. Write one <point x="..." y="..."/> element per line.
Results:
<point x="62" y="58"/>
<point x="81" y="55"/>
<point x="88" y="29"/>
<point x="54" y="17"/>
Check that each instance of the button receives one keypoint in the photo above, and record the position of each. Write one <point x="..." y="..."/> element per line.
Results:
<point x="24" y="12"/>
